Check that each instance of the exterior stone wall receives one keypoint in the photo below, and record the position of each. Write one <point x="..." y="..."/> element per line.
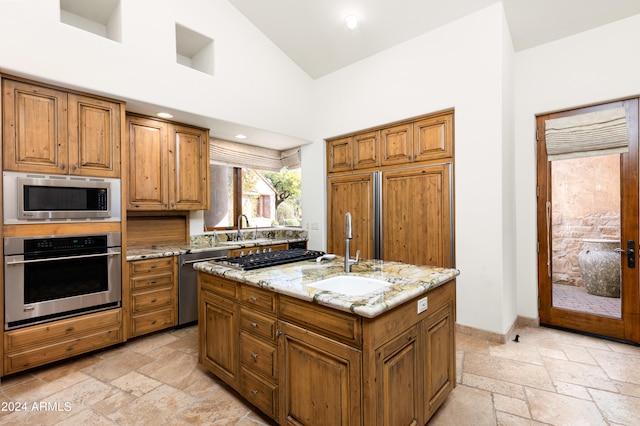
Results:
<point x="568" y="233"/>
<point x="585" y="204"/>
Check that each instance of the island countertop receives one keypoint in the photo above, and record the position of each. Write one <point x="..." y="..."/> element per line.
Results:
<point x="294" y="279"/>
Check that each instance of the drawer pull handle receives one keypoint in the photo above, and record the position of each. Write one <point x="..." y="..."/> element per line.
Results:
<point x="154" y="266"/>
<point x="70" y="348"/>
<point x="154" y="321"/>
<point x="154" y="300"/>
<point x="278" y="333"/>
<point x="254" y="325"/>
<point x="153" y="282"/>
<point x="70" y="329"/>
<point x="254" y="356"/>
<point x="254" y="392"/>
<point x="253" y="299"/>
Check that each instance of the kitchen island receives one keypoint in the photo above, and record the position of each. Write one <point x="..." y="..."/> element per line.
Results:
<point x="313" y="357"/>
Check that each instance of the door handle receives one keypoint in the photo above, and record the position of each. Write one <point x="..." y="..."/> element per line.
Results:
<point x="630" y="252"/>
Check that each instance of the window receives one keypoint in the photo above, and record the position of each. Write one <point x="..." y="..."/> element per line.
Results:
<point x="266" y="198"/>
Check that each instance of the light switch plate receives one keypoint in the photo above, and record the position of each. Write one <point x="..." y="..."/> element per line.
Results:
<point x="423" y="305"/>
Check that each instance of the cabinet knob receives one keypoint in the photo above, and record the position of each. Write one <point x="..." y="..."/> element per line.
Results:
<point x="278" y="333"/>
<point x="154" y="300"/>
<point x="154" y="321"/>
<point x="254" y="356"/>
<point x="70" y="348"/>
<point x="69" y="329"/>
<point x="253" y="299"/>
<point x="254" y="325"/>
<point x="254" y="392"/>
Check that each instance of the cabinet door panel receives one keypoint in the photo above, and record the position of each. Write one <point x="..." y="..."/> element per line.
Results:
<point x="396" y="144"/>
<point x="398" y="380"/>
<point x="190" y="168"/>
<point x="416" y="218"/>
<point x="34" y="128"/>
<point x="352" y="194"/>
<point x="339" y="155"/>
<point x="433" y="138"/>
<point x="218" y="324"/>
<point x="148" y="163"/>
<point x="94" y="136"/>
<point x="440" y="355"/>
<point x="366" y="150"/>
<point x="320" y="380"/>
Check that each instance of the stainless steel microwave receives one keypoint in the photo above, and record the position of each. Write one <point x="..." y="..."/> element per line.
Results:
<point x="32" y="198"/>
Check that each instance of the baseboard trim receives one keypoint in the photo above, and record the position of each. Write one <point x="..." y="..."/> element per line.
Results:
<point x="497" y="337"/>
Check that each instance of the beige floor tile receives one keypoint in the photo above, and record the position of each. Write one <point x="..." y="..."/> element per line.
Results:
<point x="619" y="409"/>
<point x="508" y="370"/>
<point x="135" y="383"/>
<point x="177" y="369"/>
<point x="465" y="406"/>
<point x="147" y="344"/>
<point x="153" y="408"/>
<point x="522" y="352"/>
<point x="36" y="390"/>
<point x="117" y="364"/>
<point x="506" y="419"/>
<point x="495" y="386"/>
<point x="579" y="374"/>
<point x="574" y="390"/>
<point x="115" y="401"/>
<point x="86" y="417"/>
<point x="517" y="407"/>
<point x="620" y="366"/>
<point x="562" y="410"/>
<point x="578" y="354"/>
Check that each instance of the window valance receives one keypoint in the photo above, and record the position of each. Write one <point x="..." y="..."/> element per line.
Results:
<point x="585" y="135"/>
<point x="253" y="157"/>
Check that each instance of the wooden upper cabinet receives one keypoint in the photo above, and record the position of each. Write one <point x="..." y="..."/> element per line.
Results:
<point x="47" y="130"/>
<point x="94" y="136"/>
<point x="190" y="168"/>
<point x="339" y="155"/>
<point x="148" y="164"/>
<point x="168" y="165"/>
<point x="396" y="144"/>
<point x="366" y="150"/>
<point x="34" y="128"/>
<point x="433" y="138"/>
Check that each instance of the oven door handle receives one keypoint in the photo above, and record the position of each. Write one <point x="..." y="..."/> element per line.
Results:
<point x="50" y="259"/>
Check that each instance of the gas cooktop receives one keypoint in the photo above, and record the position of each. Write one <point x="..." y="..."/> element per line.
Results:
<point x="264" y="260"/>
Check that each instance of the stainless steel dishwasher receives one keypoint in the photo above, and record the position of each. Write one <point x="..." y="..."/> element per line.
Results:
<point x="188" y="282"/>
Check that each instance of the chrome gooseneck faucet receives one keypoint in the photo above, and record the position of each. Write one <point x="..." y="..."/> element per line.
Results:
<point x="238" y="234"/>
<point x="347" y="245"/>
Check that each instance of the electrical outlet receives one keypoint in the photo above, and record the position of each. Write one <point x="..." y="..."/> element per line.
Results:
<point x="423" y="305"/>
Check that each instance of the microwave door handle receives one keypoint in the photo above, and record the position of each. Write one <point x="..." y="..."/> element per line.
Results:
<point x="50" y="259"/>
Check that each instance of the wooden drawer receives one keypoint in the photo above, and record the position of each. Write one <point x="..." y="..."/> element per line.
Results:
<point x="258" y="355"/>
<point x="66" y="329"/>
<point x="260" y="392"/>
<point x="146" y="266"/>
<point x="258" y="324"/>
<point x="22" y="360"/>
<point x="152" y="321"/>
<point x="151" y="300"/>
<point x="149" y="281"/>
<point x="258" y="298"/>
<point x="329" y="322"/>
<point x="217" y="285"/>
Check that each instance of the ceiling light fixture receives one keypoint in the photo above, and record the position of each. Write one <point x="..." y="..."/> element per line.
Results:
<point x="352" y="22"/>
<point x="164" y="115"/>
<point x="241" y="136"/>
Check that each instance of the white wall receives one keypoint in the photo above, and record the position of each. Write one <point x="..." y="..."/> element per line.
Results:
<point x="592" y="67"/>
<point x="254" y="84"/>
<point x="463" y="65"/>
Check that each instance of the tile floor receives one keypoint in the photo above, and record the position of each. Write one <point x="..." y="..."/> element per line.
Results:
<point x="549" y="377"/>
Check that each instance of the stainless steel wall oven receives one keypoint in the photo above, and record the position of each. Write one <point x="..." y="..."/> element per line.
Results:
<point x="59" y="276"/>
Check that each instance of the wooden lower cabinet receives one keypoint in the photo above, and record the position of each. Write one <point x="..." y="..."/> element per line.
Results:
<point x="153" y="295"/>
<point x="41" y="344"/>
<point x="305" y="364"/>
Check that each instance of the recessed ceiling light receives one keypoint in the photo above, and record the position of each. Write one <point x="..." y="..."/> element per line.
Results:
<point x="352" y="22"/>
<point x="241" y="136"/>
<point x="164" y="115"/>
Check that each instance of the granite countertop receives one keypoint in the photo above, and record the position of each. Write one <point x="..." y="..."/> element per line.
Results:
<point x="166" y="251"/>
<point x="405" y="282"/>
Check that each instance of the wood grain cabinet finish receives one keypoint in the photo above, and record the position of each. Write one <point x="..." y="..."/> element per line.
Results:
<point x="153" y="295"/>
<point x="354" y="152"/>
<point x="49" y="130"/>
<point x="168" y="165"/>
<point x="305" y="364"/>
<point x="433" y="138"/>
<point x="339" y="155"/>
<point x="396" y="144"/>
<point x="37" y="345"/>
<point x="354" y="194"/>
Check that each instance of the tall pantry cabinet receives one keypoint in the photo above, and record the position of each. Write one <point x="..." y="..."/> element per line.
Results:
<point x="397" y="182"/>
